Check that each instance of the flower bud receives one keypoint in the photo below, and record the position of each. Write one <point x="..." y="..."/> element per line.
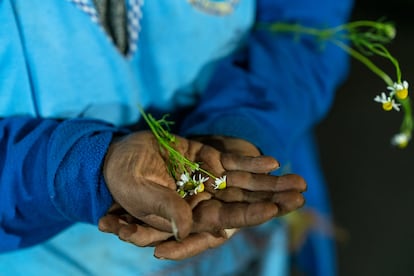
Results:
<point x="389" y="30"/>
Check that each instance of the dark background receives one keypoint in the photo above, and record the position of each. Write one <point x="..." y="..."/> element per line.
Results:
<point x="371" y="182"/>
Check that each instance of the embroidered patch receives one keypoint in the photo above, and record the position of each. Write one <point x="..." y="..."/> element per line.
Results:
<point x="134" y="15"/>
<point x="216" y="7"/>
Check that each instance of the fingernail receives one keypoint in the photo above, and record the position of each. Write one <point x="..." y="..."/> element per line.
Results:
<point x="279" y="164"/>
<point x="123" y="222"/>
<point x="174" y="230"/>
<point x="159" y="258"/>
<point x="103" y="228"/>
<point x="230" y="232"/>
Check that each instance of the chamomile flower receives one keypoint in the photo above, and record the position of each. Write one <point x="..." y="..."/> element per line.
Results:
<point x="201" y="179"/>
<point x="184" y="179"/>
<point x="401" y="140"/>
<point x="387" y="103"/>
<point x="199" y="184"/>
<point x="199" y="188"/>
<point x="181" y="192"/>
<point x="363" y="39"/>
<point x="400" y="90"/>
<point x="220" y="183"/>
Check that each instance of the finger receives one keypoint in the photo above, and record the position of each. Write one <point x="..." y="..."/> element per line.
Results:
<point x="142" y="235"/>
<point x="213" y="216"/>
<point x="258" y="164"/>
<point x="133" y="233"/>
<point x="165" y="225"/>
<point x="217" y="162"/>
<point x="264" y="182"/>
<point x="157" y="222"/>
<point x="196" y="199"/>
<point x="120" y="213"/>
<point x="230" y="144"/>
<point x="111" y="224"/>
<point x="169" y="205"/>
<point x="232" y="194"/>
<point x="116" y="208"/>
<point x="151" y="198"/>
<point x="189" y="247"/>
<point x="288" y="201"/>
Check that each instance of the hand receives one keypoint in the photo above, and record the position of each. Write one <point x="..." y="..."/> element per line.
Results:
<point x="212" y="217"/>
<point x="247" y="173"/>
<point x="247" y="182"/>
<point x="137" y="177"/>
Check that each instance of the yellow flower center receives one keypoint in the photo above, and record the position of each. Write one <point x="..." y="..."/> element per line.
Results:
<point x="387" y="106"/>
<point x="188" y="186"/>
<point x="403" y="144"/>
<point x="222" y="185"/>
<point x="402" y="94"/>
<point x="200" y="188"/>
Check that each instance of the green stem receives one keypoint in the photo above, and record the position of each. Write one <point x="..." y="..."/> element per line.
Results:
<point x="322" y="33"/>
<point x="380" y="50"/>
<point x="156" y="129"/>
<point x="297" y="29"/>
<point x="208" y="173"/>
<point x="407" y="124"/>
<point x="365" y="61"/>
<point x="356" y="24"/>
<point x="166" y="145"/>
<point x="328" y="34"/>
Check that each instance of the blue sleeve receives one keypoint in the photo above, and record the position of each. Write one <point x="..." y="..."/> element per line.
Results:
<point x="50" y="177"/>
<point x="277" y="87"/>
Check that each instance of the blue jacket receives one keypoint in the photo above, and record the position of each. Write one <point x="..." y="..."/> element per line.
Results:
<point x="66" y="91"/>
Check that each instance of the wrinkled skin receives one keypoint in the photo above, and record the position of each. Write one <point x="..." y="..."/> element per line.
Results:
<point x="149" y="212"/>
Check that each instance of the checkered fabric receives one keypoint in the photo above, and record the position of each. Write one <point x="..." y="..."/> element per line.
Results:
<point x="87" y="7"/>
<point x="134" y="16"/>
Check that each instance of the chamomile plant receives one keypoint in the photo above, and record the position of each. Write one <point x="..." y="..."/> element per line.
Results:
<point x="363" y="40"/>
<point x="189" y="176"/>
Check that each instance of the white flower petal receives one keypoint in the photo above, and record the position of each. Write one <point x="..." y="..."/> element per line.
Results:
<point x="400" y="139"/>
<point x="185" y="177"/>
<point x="378" y="99"/>
<point x="395" y="105"/>
<point x="405" y="84"/>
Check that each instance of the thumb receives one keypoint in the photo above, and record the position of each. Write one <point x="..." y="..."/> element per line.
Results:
<point x="152" y="199"/>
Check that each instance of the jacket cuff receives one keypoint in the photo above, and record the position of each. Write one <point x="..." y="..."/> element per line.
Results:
<point x="76" y="184"/>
